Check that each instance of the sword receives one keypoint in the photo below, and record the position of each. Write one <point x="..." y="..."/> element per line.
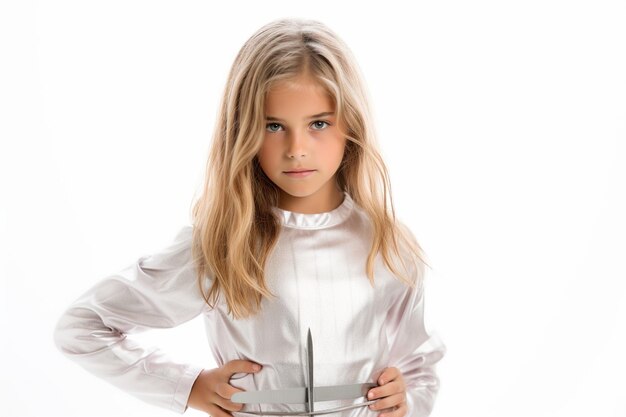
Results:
<point x="305" y="395"/>
<point x="309" y="388"/>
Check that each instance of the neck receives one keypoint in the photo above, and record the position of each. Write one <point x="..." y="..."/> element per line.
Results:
<point x="312" y="204"/>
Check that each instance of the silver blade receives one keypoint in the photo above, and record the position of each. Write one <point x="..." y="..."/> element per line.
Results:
<point x="310" y="386"/>
<point x="299" y="395"/>
<point x="342" y="392"/>
<point x="278" y="396"/>
<point x="314" y="413"/>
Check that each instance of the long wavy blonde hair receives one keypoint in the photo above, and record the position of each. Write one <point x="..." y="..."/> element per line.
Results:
<point x="235" y="229"/>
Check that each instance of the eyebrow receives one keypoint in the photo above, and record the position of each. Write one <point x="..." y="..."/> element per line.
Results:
<point x="326" y="113"/>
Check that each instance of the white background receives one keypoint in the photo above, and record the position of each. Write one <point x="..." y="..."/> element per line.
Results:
<point x="503" y="124"/>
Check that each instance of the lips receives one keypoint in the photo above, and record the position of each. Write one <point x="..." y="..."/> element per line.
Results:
<point x="303" y="173"/>
<point x="300" y="170"/>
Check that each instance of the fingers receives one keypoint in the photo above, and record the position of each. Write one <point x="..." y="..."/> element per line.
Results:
<point x="389" y="402"/>
<point x="224" y="390"/>
<point x="389" y="374"/>
<point x="392" y="394"/>
<point x="400" y="411"/>
<point x="390" y="388"/>
<point x="240" y="366"/>
<point x="212" y="392"/>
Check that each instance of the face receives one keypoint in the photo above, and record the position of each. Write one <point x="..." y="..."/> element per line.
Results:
<point x="298" y="136"/>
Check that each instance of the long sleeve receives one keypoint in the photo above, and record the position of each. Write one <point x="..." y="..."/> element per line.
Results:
<point x="413" y="351"/>
<point x="156" y="291"/>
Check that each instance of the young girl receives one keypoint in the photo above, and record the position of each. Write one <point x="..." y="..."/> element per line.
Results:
<point x="292" y="233"/>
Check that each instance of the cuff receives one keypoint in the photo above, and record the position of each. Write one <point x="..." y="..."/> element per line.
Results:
<point x="183" y="389"/>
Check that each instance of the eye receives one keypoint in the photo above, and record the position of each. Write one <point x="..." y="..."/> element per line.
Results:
<point x="315" y="123"/>
<point x="271" y="124"/>
<point x="320" y="121"/>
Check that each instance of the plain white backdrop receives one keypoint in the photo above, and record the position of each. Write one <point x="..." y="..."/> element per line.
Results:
<point x="503" y="124"/>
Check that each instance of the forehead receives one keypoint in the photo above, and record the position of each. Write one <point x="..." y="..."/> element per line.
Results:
<point x="298" y="97"/>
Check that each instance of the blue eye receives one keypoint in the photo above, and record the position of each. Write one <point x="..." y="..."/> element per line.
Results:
<point x="320" y="121"/>
<point x="271" y="124"/>
<point x="278" y="124"/>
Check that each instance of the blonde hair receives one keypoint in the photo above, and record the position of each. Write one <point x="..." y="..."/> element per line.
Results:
<point x="234" y="227"/>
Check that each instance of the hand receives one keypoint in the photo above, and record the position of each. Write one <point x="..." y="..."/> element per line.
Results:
<point x="211" y="391"/>
<point x="390" y="386"/>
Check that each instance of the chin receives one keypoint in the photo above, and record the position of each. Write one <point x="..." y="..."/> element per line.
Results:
<point x="298" y="193"/>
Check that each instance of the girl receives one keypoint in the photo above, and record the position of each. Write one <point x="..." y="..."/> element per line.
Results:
<point x="292" y="232"/>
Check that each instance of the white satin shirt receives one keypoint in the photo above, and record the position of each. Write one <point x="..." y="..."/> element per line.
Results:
<point x="317" y="271"/>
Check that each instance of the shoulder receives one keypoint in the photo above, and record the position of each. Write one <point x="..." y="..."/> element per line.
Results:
<point x="360" y="220"/>
<point x="175" y="253"/>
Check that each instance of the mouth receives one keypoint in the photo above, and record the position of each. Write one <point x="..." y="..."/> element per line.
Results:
<point x="298" y="171"/>
<point x="299" y="174"/>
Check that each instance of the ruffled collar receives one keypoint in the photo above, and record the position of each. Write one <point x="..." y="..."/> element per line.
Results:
<point x="316" y="220"/>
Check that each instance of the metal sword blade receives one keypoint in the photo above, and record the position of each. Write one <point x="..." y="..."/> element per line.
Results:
<point x="308" y="394"/>
<point x="310" y="385"/>
<point x="299" y="395"/>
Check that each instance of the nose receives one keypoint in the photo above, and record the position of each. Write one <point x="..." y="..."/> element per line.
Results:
<point x="297" y="143"/>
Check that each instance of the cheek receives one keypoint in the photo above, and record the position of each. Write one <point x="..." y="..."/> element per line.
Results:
<point x="340" y="149"/>
<point x="266" y="156"/>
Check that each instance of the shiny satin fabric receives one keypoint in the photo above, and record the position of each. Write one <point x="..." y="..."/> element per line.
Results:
<point x="317" y="272"/>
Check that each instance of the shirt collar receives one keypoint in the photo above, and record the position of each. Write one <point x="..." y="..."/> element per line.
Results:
<point x="316" y="220"/>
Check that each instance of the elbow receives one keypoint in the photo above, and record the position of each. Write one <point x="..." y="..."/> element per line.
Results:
<point x="81" y="331"/>
<point x="62" y="334"/>
<point x="421" y="400"/>
<point x="422" y="390"/>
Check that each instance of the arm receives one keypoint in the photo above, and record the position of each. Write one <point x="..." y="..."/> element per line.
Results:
<point x="413" y="351"/>
<point x="156" y="291"/>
